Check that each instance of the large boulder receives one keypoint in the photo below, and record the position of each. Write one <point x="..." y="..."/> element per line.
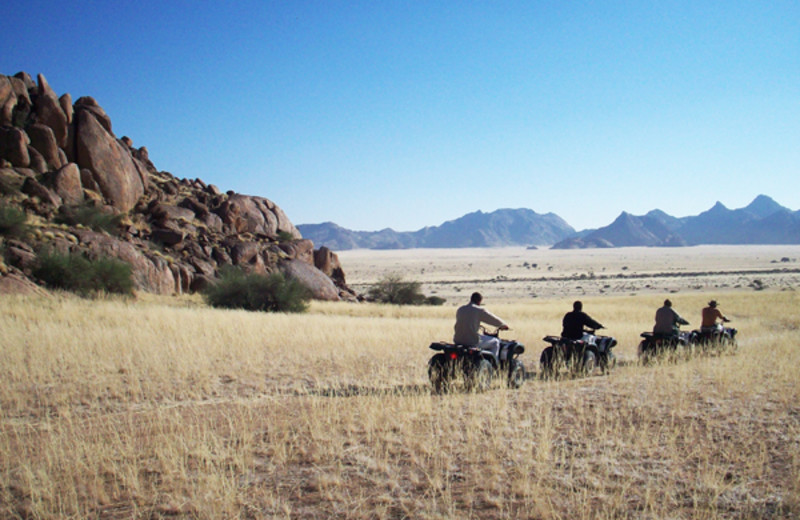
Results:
<point x="10" y="180"/>
<point x="328" y="262"/>
<point x="247" y="214"/>
<point x="16" y="283"/>
<point x="14" y="146"/>
<point x="32" y="187"/>
<point x="15" y="103"/>
<point x="44" y="140"/>
<point x="49" y="111"/>
<point x="66" y="182"/>
<point x="321" y="287"/>
<point x="90" y="104"/>
<point x="150" y="273"/>
<point x="65" y="101"/>
<point x="299" y="249"/>
<point x="118" y="176"/>
<point x="8" y="100"/>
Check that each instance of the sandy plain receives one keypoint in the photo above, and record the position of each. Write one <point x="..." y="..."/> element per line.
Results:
<point x="517" y="273"/>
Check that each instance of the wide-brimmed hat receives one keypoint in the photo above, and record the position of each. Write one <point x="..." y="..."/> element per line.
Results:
<point x="712" y="303"/>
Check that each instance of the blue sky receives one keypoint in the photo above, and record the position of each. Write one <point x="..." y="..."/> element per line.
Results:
<point x="405" y="114"/>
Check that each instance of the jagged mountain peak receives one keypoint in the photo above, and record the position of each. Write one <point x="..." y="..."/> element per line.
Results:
<point x="764" y="206"/>
<point x="719" y="207"/>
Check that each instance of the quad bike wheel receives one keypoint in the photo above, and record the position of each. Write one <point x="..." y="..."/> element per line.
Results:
<point x="728" y="343"/>
<point x="607" y="362"/>
<point x="645" y="354"/>
<point x="440" y="373"/>
<point x="548" y="363"/>
<point x="480" y="377"/>
<point x="516" y="376"/>
<point x="589" y="363"/>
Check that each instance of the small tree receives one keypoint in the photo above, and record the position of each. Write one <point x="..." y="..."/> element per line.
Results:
<point x="89" y="216"/>
<point x="393" y="289"/>
<point x="13" y="221"/>
<point x="237" y="289"/>
<point x="76" y="273"/>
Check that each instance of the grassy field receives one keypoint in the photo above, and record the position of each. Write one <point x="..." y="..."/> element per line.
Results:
<point x="155" y="407"/>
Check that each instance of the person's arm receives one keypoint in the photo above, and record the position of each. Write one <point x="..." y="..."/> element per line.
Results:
<point x="490" y="319"/>
<point x="592" y="324"/>
<point x="679" y="320"/>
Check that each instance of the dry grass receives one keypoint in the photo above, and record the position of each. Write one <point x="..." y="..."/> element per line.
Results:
<point x="156" y="408"/>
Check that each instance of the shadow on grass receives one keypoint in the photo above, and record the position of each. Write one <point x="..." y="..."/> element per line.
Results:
<point x="361" y="391"/>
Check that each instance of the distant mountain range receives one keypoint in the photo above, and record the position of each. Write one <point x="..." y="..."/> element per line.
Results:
<point x="504" y="227"/>
<point x="763" y="221"/>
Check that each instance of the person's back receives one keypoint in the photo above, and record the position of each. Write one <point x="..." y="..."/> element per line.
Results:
<point x="574" y="321"/>
<point x="711" y="314"/>
<point x="468" y="321"/>
<point x="667" y="319"/>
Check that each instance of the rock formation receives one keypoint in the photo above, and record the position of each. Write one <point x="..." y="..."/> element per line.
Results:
<point x="59" y="159"/>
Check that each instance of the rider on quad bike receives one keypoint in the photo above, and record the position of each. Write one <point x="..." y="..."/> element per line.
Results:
<point x="468" y="321"/>
<point x="713" y="333"/>
<point x="574" y="322"/>
<point x="577" y="348"/>
<point x="666" y="333"/>
<point x="477" y="354"/>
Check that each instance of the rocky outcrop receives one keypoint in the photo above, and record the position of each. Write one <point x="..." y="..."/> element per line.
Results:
<point x="321" y="287"/>
<point x="92" y="192"/>
<point x="115" y="171"/>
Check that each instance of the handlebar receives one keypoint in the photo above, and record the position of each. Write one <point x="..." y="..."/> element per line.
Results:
<point x="495" y="332"/>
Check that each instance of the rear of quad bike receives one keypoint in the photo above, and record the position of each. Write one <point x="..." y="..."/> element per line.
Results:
<point x="715" y="341"/>
<point x="662" y="346"/>
<point x="516" y="374"/>
<point x="472" y="369"/>
<point x="446" y="370"/>
<point x="565" y="357"/>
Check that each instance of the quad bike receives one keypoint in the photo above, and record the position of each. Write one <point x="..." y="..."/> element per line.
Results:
<point x="477" y="367"/>
<point x="579" y="356"/>
<point x="715" y="339"/>
<point x="654" y="345"/>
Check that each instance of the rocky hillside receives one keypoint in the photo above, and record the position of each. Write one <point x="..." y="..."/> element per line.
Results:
<point x="504" y="227"/>
<point x="59" y="158"/>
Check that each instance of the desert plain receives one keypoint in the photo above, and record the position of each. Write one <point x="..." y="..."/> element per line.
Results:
<point x="155" y="407"/>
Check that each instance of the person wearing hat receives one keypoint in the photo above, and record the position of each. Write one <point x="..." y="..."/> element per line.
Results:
<point x="710" y="316"/>
<point x="667" y="320"/>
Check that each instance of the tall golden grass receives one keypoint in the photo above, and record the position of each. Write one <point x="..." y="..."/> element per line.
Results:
<point x="153" y="408"/>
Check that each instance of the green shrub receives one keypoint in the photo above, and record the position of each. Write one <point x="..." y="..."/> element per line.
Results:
<point x="254" y="292"/>
<point x="75" y="273"/>
<point x="89" y="216"/>
<point x="284" y="237"/>
<point x="112" y="276"/>
<point x="393" y="289"/>
<point x="434" y="300"/>
<point x="12" y="221"/>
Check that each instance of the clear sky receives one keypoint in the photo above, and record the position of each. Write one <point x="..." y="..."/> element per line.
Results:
<point x="404" y="114"/>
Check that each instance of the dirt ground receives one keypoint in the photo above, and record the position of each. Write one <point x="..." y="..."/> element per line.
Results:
<point x="518" y="273"/>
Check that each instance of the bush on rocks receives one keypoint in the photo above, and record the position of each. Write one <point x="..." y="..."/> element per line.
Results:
<point x="237" y="289"/>
<point x="75" y="273"/>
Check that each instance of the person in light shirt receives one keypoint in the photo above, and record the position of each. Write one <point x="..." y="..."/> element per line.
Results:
<point x="468" y="321"/>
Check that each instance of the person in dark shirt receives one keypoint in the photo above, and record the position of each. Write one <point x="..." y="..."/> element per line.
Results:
<point x="668" y="321"/>
<point x="574" y="322"/>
